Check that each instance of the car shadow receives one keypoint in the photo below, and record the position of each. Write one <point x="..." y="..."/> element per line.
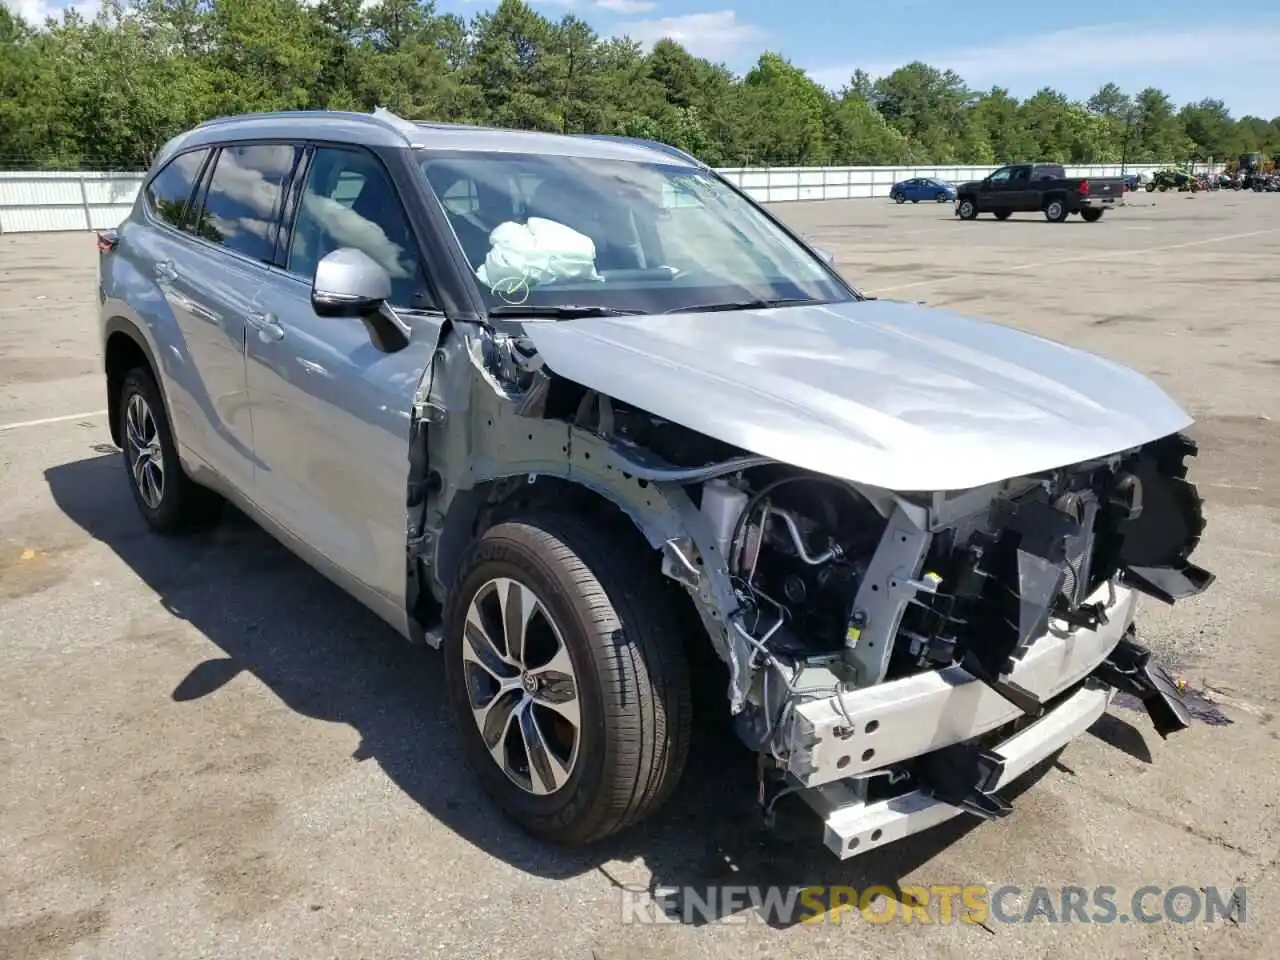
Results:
<point x="329" y="659"/>
<point x="1025" y="218"/>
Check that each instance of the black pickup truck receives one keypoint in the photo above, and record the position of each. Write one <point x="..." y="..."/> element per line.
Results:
<point x="1038" y="187"/>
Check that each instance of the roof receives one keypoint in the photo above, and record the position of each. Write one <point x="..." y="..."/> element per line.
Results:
<point x="384" y="129"/>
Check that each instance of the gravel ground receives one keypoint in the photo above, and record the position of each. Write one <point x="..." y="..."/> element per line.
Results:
<point x="207" y="750"/>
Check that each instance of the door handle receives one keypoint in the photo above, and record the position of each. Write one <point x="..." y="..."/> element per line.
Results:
<point x="267" y="325"/>
<point x="165" y="270"/>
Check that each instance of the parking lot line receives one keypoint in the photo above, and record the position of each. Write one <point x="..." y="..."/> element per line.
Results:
<point x="1088" y="258"/>
<point x="22" y="424"/>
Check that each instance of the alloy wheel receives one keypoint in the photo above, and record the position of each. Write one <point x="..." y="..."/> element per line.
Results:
<point x="146" y="456"/>
<point x="521" y="686"/>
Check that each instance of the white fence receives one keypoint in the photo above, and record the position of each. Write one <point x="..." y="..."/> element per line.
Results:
<point x="55" y="200"/>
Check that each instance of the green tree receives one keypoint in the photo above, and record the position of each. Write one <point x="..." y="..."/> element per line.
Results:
<point x="783" y="112"/>
<point x="510" y="67"/>
<point x="109" y="91"/>
<point x="928" y="106"/>
<point x="1211" y="129"/>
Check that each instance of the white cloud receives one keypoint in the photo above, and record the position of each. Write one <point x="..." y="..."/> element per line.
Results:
<point x="35" y="12"/>
<point x="716" y="36"/>
<point x="626" y="6"/>
<point x="1084" y="50"/>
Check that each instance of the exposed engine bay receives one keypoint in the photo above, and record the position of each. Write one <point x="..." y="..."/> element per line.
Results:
<point x="993" y="580"/>
<point x="1038" y="556"/>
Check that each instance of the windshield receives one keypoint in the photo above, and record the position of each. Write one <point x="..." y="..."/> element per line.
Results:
<point x="545" y="232"/>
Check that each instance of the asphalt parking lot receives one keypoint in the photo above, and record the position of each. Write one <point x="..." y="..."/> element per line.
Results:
<point x="207" y="750"/>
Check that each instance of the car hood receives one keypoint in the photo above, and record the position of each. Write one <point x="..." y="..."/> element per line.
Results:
<point x="884" y="393"/>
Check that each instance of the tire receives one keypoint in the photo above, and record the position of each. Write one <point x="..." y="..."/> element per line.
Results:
<point x="942" y="198"/>
<point x="1091" y="216"/>
<point x="967" y="209"/>
<point x="169" y="500"/>
<point x="1055" y="211"/>
<point x="1003" y="214"/>
<point x="627" y="669"/>
<point x="899" y="198"/>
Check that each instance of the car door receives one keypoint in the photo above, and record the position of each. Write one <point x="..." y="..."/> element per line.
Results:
<point x="912" y="189"/>
<point x="1020" y="194"/>
<point x="995" y="190"/>
<point x="212" y="278"/>
<point x="331" y="411"/>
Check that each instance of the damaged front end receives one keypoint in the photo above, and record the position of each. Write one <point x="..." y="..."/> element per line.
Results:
<point x="895" y="659"/>
<point x="984" y="631"/>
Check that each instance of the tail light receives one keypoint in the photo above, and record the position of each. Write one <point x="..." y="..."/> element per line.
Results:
<point x="107" y="240"/>
<point x="1084" y="188"/>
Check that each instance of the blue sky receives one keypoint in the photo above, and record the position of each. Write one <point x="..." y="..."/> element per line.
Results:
<point x="1188" y="48"/>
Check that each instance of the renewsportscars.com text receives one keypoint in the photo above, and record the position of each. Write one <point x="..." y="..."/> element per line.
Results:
<point x="938" y="904"/>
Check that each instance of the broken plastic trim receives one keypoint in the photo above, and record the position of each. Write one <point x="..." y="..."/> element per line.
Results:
<point x="1155" y="544"/>
<point x="1131" y="669"/>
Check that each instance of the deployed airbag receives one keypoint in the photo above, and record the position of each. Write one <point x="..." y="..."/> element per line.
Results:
<point x="522" y="255"/>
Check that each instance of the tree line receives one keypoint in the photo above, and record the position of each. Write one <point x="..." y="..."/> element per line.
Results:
<point x="107" y="92"/>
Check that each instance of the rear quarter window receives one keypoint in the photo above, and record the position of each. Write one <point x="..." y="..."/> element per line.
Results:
<point x="169" y="191"/>
<point x="242" y="203"/>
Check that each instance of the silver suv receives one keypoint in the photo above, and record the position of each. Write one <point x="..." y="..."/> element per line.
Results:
<point x="567" y="407"/>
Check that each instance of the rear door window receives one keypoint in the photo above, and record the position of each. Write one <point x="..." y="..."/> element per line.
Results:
<point x="169" y="190"/>
<point x="242" y="202"/>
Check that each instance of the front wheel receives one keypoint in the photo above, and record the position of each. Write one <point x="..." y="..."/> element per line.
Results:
<point x="568" y="677"/>
<point x="1055" y="211"/>
<point x="1091" y="216"/>
<point x="899" y="198"/>
<point x="967" y="210"/>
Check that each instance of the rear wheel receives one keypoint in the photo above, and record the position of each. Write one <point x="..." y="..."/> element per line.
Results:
<point x="967" y="209"/>
<point x="166" y="497"/>
<point x="568" y="676"/>
<point x="1091" y="216"/>
<point x="1055" y="211"/>
<point x="1003" y="214"/>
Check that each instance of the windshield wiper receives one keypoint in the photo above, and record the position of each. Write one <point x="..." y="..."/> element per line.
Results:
<point x="561" y="311"/>
<point x="757" y="304"/>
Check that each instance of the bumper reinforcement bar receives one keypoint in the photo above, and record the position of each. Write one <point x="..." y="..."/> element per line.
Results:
<point x="965" y="778"/>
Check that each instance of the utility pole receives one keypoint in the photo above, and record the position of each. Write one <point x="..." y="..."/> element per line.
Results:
<point x="1124" y="147"/>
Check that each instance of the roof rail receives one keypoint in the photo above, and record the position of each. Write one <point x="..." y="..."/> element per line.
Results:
<point x="380" y="116"/>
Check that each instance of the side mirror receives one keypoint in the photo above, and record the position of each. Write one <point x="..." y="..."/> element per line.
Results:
<point x="349" y="283"/>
